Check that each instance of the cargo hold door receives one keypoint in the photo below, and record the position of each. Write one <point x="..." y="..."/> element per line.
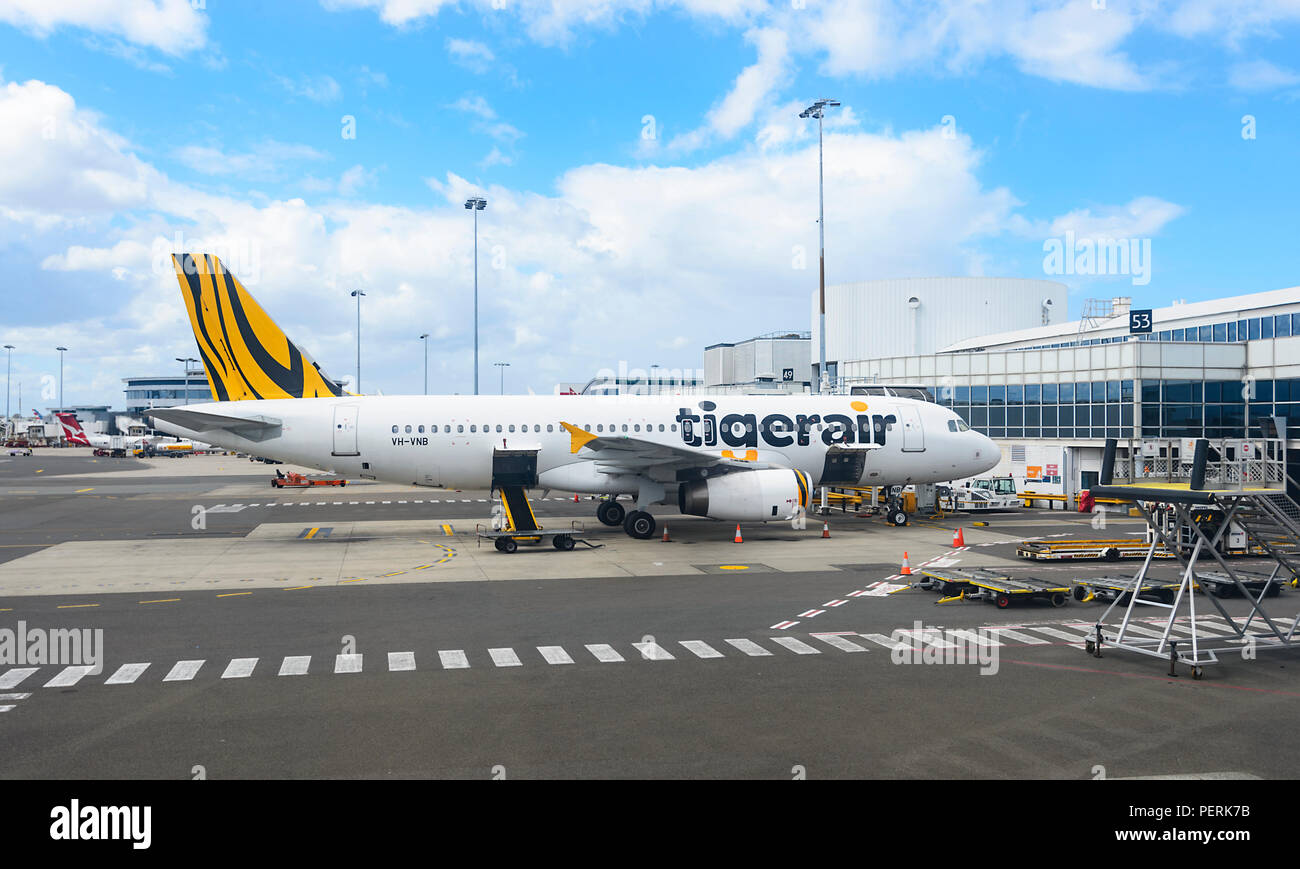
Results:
<point x="345" y="430"/>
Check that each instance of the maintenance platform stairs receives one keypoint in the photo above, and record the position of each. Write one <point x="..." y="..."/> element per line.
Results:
<point x="1272" y="522"/>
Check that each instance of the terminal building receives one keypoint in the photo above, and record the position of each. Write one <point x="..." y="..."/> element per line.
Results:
<point x="1051" y="393"/>
<point x="144" y="393"/>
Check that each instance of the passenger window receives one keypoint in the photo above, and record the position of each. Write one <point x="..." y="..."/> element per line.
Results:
<point x="673" y="426"/>
<point x="408" y="429"/>
<point x="498" y="426"/>
<point x="587" y="427"/>
<point x="394" y="429"/>
<point x="421" y="429"/>
<point x="600" y="427"/>
<point x="512" y="427"/>
<point x="459" y="429"/>
<point x="636" y="428"/>
<point x="473" y="429"/>
<point x="549" y="427"/>
<point x="661" y="426"/>
<point x="624" y="426"/>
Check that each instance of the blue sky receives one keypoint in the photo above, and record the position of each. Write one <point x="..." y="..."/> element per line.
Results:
<point x="650" y="187"/>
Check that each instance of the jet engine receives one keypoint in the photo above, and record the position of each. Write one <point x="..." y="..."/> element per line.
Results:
<point x="747" y="496"/>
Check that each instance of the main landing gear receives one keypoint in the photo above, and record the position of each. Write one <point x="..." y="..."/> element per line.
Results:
<point x="610" y="513"/>
<point x="638" y="523"/>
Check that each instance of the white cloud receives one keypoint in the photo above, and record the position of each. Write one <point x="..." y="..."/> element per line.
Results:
<point x="495" y="158"/>
<point x="1061" y="40"/>
<point x="488" y="123"/>
<point x="753" y="87"/>
<point x="317" y="88"/>
<point x="475" y="106"/>
<point x="633" y="256"/>
<point x="355" y="178"/>
<point x="1260" y="75"/>
<point x="263" y="161"/>
<point x="62" y="164"/>
<point x="1141" y="217"/>
<point x="172" y="26"/>
<point x="471" y="54"/>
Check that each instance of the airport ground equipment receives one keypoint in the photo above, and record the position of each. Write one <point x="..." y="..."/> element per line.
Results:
<point x="984" y="494"/>
<point x="1067" y="549"/>
<point x="1111" y="587"/>
<point x="895" y="505"/>
<point x="1223" y="585"/>
<point x="1247" y="480"/>
<point x="954" y="580"/>
<point x="522" y="526"/>
<point x="995" y="586"/>
<point x="293" y="480"/>
<point x="1209" y="516"/>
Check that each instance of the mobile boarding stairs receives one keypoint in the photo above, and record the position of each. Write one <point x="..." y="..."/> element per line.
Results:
<point x="1247" y="480"/>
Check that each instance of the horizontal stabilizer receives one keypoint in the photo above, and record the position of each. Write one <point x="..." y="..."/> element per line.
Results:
<point x="253" y="428"/>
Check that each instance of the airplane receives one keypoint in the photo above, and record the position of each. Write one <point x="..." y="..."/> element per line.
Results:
<point x="738" y="458"/>
<point x="74" y="434"/>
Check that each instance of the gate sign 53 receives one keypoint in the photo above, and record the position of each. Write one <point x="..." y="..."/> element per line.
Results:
<point x="1139" y="322"/>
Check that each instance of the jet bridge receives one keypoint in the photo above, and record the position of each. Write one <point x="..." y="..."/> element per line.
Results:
<point x="1247" y="480"/>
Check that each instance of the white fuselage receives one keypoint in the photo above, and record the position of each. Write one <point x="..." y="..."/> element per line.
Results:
<point x="450" y="441"/>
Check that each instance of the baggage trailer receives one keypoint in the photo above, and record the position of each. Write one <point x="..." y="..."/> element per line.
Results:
<point x="294" y="480"/>
<point x="991" y="585"/>
<point x="1222" y="585"/>
<point x="1109" y="550"/>
<point x="1117" y="587"/>
<point x="954" y="581"/>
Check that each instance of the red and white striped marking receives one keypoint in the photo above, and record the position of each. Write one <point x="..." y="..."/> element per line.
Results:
<point x="808" y="614"/>
<point x="781" y="626"/>
<point x="831" y="603"/>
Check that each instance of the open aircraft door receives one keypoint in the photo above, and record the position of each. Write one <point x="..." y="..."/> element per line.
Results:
<point x="345" y="430"/>
<point x="913" y="434"/>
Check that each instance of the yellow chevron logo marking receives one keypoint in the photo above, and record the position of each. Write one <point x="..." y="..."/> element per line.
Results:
<point x="577" y="437"/>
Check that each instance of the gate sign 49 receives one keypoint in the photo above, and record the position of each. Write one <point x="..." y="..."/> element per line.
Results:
<point x="1139" y="322"/>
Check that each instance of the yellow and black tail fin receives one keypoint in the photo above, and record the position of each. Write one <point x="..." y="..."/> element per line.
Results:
<point x="244" y="353"/>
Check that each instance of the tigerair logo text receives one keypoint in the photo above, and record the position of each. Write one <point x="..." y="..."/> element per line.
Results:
<point x="780" y="430"/>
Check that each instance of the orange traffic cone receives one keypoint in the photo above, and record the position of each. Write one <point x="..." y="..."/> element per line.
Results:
<point x="907" y="568"/>
<point x="666" y="540"/>
<point x="826" y="531"/>
<point x="738" y="537"/>
<point x="958" y="539"/>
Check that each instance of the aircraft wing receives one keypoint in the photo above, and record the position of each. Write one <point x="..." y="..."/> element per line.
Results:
<point x="630" y="453"/>
<point x="254" y="428"/>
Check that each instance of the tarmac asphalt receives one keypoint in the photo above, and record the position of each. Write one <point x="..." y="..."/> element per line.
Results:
<point x="788" y="655"/>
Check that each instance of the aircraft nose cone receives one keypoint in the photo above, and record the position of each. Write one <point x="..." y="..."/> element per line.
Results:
<point x="986" y="453"/>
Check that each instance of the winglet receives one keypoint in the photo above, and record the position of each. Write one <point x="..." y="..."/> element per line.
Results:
<point x="577" y="437"/>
